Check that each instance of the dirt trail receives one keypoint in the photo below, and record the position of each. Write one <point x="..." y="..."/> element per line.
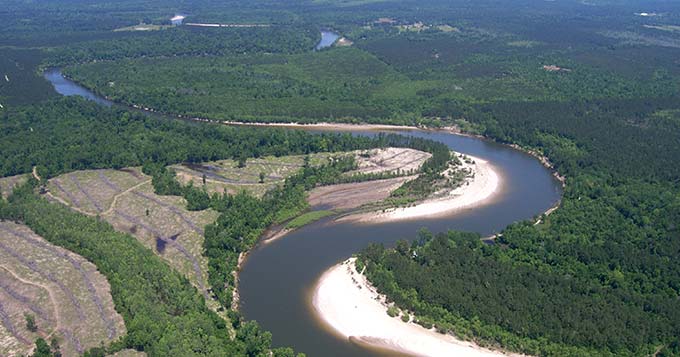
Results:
<point x="50" y="293"/>
<point x="117" y="196"/>
<point x="34" y="172"/>
<point x="73" y="207"/>
<point x="28" y="282"/>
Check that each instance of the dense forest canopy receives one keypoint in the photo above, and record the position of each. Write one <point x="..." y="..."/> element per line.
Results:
<point x="592" y="85"/>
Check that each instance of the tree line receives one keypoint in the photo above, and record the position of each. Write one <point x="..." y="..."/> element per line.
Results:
<point x="163" y="313"/>
<point x="598" y="276"/>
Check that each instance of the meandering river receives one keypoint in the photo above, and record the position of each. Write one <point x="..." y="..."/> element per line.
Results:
<point x="277" y="278"/>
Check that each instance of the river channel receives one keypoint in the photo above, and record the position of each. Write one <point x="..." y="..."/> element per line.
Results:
<point x="277" y="279"/>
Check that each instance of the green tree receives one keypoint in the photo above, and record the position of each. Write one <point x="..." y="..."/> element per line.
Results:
<point x="30" y="322"/>
<point x="42" y="349"/>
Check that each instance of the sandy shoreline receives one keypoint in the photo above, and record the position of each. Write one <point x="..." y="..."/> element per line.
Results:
<point x="349" y="305"/>
<point x="475" y="191"/>
<point x="327" y="126"/>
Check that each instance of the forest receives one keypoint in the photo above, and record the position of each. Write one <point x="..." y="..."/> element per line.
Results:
<point x="78" y="132"/>
<point x="401" y="79"/>
<point x="187" y="42"/>
<point x="598" y="276"/>
<point x="592" y="86"/>
<point x="70" y="134"/>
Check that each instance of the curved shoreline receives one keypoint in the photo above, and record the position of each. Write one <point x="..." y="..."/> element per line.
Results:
<point x="346" y="303"/>
<point x="318" y="126"/>
<point x="353" y="127"/>
<point x="478" y="190"/>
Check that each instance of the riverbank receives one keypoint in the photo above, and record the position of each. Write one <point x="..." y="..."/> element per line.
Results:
<point x="389" y="127"/>
<point x="327" y="126"/>
<point x="346" y="302"/>
<point x="480" y="186"/>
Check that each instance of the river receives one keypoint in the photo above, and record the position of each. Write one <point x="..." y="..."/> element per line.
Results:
<point x="328" y="38"/>
<point x="277" y="279"/>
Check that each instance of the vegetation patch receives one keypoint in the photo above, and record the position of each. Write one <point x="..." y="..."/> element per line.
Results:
<point x="7" y="184"/>
<point x="307" y="218"/>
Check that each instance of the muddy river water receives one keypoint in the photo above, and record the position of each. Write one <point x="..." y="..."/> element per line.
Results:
<point x="277" y="279"/>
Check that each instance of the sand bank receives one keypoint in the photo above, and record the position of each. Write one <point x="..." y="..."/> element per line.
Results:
<point x="328" y="126"/>
<point x="349" y="305"/>
<point x="479" y="188"/>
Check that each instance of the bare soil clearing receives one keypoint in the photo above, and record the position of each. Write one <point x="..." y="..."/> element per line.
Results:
<point x="65" y="293"/>
<point x="390" y="160"/>
<point x="351" y="196"/>
<point x="225" y="176"/>
<point x="354" y="195"/>
<point x="125" y="198"/>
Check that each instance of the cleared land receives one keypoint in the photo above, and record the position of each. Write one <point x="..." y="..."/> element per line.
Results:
<point x="349" y="196"/>
<point x="125" y="198"/>
<point x="390" y="160"/>
<point x="66" y="295"/>
<point x="225" y="176"/>
<point x="354" y="195"/>
<point x="7" y="184"/>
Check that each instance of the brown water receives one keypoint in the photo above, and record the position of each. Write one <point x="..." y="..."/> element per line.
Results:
<point x="277" y="280"/>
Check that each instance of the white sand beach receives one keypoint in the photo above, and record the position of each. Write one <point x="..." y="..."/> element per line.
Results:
<point x="483" y="184"/>
<point x="349" y="305"/>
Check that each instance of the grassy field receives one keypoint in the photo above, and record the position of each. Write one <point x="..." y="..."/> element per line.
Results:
<point x="307" y="218"/>
<point x="69" y="299"/>
<point x="125" y="199"/>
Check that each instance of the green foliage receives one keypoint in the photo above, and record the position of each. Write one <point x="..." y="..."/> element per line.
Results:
<point x="84" y="135"/>
<point x="308" y="218"/>
<point x="607" y="257"/>
<point x="30" y="322"/>
<point x="188" y="41"/>
<point x="42" y="349"/>
<point x="22" y="85"/>
<point x="340" y="84"/>
<point x="597" y="276"/>
<point x="163" y="313"/>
